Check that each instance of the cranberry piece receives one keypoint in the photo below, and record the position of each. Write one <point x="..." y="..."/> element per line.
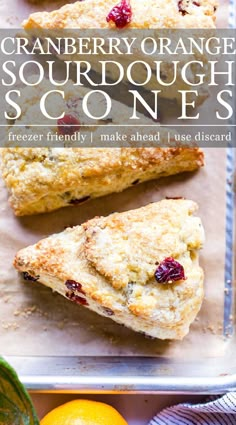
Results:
<point x="181" y="7"/>
<point x="108" y="311"/>
<point x="72" y="285"/>
<point x="120" y="14"/>
<point x="106" y="120"/>
<point x="28" y="276"/>
<point x="76" y="298"/>
<point x="75" y="201"/>
<point x="69" y="124"/>
<point x="169" y="270"/>
<point x="196" y="3"/>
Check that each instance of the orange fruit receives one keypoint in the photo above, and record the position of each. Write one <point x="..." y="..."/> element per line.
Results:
<point x="84" y="412"/>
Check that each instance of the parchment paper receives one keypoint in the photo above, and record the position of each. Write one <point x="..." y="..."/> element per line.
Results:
<point x="34" y="321"/>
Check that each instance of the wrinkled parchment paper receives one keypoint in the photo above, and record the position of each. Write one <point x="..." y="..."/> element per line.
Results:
<point x="34" y="321"/>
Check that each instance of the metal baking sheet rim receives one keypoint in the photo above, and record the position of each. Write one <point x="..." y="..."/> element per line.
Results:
<point x="120" y="382"/>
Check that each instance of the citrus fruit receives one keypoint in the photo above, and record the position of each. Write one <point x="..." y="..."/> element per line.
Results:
<point x="83" y="412"/>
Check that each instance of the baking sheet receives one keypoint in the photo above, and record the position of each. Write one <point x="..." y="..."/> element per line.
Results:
<point x="34" y="321"/>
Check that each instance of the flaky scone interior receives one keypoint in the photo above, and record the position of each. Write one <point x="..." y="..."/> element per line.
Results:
<point x="139" y="268"/>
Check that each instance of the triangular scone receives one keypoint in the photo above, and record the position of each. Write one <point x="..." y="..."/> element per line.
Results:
<point x="108" y="264"/>
<point x="145" y="14"/>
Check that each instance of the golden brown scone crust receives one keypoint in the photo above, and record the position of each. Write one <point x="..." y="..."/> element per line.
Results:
<point x="45" y="179"/>
<point x="146" y="14"/>
<point x="114" y="260"/>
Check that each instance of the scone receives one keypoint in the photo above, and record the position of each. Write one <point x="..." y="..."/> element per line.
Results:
<point x="139" y="268"/>
<point x="142" y="15"/>
<point x="45" y="179"/>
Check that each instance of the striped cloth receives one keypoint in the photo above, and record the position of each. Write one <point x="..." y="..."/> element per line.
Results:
<point x="217" y="411"/>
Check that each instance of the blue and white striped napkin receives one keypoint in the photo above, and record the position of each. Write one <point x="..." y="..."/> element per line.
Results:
<point x="217" y="411"/>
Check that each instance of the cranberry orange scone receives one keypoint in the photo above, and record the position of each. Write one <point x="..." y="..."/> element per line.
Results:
<point x="45" y="179"/>
<point x="137" y="14"/>
<point x="139" y="267"/>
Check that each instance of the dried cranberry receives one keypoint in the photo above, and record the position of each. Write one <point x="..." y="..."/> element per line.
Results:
<point x="28" y="276"/>
<point x="120" y="14"/>
<point x="72" y="285"/>
<point x="169" y="270"/>
<point x="69" y="124"/>
<point x="181" y="7"/>
<point x="75" y="201"/>
<point x="76" y="298"/>
<point x="108" y="311"/>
